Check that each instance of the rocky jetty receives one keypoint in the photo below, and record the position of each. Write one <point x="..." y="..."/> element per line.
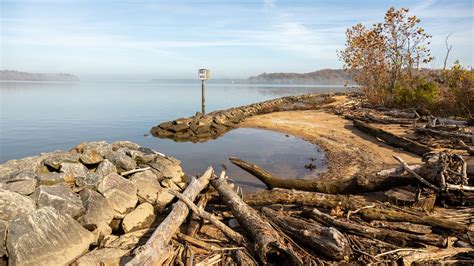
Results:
<point x="200" y="127"/>
<point x="91" y="204"/>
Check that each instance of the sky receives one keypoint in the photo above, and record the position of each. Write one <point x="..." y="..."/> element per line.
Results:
<point x="234" y="39"/>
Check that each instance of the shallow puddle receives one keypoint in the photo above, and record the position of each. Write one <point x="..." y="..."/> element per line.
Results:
<point x="280" y="154"/>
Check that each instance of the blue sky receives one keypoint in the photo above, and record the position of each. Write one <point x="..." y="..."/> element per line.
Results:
<point x="235" y="39"/>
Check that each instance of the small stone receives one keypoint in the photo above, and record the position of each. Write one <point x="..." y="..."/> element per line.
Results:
<point x="105" y="168"/>
<point x="141" y="218"/>
<point x="51" y="178"/>
<point x="120" y="193"/>
<point x="60" y="197"/>
<point x="46" y="237"/>
<point x="56" y="160"/>
<point x="98" y="210"/>
<point x="91" y="157"/>
<point x="14" y="205"/>
<point x="147" y="185"/>
<point x="91" y="180"/>
<point x="101" y="146"/>
<point x="104" y="256"/>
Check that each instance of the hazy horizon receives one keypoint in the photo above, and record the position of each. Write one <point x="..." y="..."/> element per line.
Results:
<point x="236" y="40"/>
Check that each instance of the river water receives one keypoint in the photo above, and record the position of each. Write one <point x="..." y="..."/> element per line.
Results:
<point x="39" y="117"/>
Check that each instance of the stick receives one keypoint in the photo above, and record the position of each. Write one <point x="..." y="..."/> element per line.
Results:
<point x="236" y="237"/>
<point x="134" y="171"/>
<point x="197" y="242"/>
<point x="156" y="248"/>
<point x="433" y="255"/>
<point x="417" y="176"/>
<point x="270" y="246"/>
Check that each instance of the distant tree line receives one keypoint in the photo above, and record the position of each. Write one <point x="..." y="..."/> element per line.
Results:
<point x="25" y="76"/>
<point x="323" y="77"/>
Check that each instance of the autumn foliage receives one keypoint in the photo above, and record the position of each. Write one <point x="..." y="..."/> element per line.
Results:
<point x="387" y="59"/>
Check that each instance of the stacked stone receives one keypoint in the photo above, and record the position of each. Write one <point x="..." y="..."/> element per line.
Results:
<point x="56" y="207"/>
<point x="201" y="127"/>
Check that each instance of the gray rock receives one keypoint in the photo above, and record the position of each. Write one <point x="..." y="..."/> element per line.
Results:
<point x="55" y="161"/>
<point x="91" y="157"/>
<point x="75" y="169"/>
<point x="46" y="237"/>
<point x="125" y="241"/>
<point x="3" y="238"/>
<point x="101" y="146"/>
<point x="60" y="197"/>
<point x="32" y="164"/>
<point x="141" y="218"/>
<point x="124" y="144"/>
<point x="147" y="185"/>
<point x="91" y="180"/>
<point x="105" y="168"/>
<point x="168" y="168"/>
<point x="120" y="193"/>
<point x="121" y="161"/>
<point x="98" y="209"/>
<point x="14" y="205"/>
<point x="51" y="178"/>
<point x="141" y="157"/>
<point x="22" y="182"/>
<point x="104" y="257"/>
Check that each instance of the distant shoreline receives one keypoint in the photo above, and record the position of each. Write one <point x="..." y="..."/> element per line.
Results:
<point x="12" y="75"/>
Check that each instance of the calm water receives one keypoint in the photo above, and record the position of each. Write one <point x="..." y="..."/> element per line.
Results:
<point x="41" y="117"/>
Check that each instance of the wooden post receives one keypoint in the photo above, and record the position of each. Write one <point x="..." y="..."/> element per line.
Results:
<point x="203" y="95"/>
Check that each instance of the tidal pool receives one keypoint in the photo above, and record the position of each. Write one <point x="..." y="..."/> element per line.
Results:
<point x="280" y="154"/>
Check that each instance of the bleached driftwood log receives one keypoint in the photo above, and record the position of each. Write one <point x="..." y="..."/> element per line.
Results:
<point x="325" y="240"/>
<point x="270" y="246"/>
<point x="157" y="248"/>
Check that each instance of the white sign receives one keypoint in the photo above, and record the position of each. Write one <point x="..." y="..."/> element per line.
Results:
<point x="203" y="74"/>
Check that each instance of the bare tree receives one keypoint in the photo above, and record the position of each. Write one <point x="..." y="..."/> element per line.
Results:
<point x="448" y="50"/>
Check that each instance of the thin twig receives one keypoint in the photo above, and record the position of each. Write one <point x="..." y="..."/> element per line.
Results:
<point x="397" y="250"/>
<point x="135" y="171"/>
<point x="358" y="210"/>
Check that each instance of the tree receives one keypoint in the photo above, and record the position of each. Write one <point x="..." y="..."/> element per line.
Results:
<point x="386" y="54"/>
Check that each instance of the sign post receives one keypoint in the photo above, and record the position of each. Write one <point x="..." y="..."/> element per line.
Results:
<point x="203" y="75"/>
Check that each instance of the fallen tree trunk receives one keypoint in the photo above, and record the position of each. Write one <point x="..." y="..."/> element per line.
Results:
<point x="270" y="246"/>
<point x="349" y="202"/>
<point x="433" y="255"/>
<point x="195" y="221"/>
<point x="328" y="240"/>
<point x="157" y="248"/>
<point x="445" y="134"/>
<point x="392" y="139"/>
<point x="370" y="182"/>
<point x="398" y="238"/>
<point x="381" y="120"/>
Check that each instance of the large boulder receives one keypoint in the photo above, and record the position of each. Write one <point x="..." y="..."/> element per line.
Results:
<point x="14" y="205"/>
<point x="75" y="169"/>
<point x="56" y="160"/>
<point x="22" y="182"/>
<point x="121" y="193"/>
<point x="141" y="218"/>
<point x="91" y="157"/>
<point x="46" y="237"/>
<point x="105" y="168"/>
<point x="60" y="197"/>
<point x="52" y="178"/>
<point x="122" y="161"/>
<point x="124" y="144"/>
<point x="147" y="185"/>
<point x="98" y="209"/>
<point x="90" y="180"/>
<point x="126" y="241"/>
<point x="3" y="238"/>
<point x="103" y="257"/>
<point x="168" y="168"/>
<point x="32" y="164"/>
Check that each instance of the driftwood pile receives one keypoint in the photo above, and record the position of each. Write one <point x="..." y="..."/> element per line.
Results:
<point x="283" y="226"/>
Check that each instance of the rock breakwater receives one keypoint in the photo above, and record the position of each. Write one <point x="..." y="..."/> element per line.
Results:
<point x="200" y="127"/>
<point x="87" y="205"/>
